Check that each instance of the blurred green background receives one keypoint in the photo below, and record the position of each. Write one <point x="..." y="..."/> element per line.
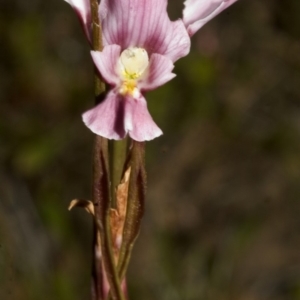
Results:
<point x="222" y="213"/>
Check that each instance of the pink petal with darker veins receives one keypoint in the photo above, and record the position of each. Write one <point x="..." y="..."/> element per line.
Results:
<point x="106" y="62"/>
<point x="107" y="118"/>
<point x="83" y="11"/>
<point x="159" y="72"/>
<point x="179" y="42"/>
<point x="145" y="24"/>
<point x="198" y="12"/>
<point x="138" y="121"/>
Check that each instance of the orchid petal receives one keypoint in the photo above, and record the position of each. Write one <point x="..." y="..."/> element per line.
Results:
<point x="106" y="62"/>
<point x="179" y="42"/>
<point x="138" y="121"/>
<point x="159" y="72"/>
<point x="106" y="119"/>
<point x="145" y="24"/>
<point x="198" y="12"/>
<point x="83" y="11"/>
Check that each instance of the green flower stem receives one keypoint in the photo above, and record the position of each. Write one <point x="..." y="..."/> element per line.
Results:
<point x="101" y="191"/>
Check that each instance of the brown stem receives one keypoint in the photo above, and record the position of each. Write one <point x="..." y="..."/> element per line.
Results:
<point x="97" y="43"/>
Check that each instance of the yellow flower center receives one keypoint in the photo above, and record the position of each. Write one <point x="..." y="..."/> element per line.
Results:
<point x="133" y="62"/>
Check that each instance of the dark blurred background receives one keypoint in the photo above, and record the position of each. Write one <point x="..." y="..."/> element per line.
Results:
<point x="222" y="219"/>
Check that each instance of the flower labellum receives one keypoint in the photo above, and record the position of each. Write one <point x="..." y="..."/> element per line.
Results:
<point x="141" y="45"/>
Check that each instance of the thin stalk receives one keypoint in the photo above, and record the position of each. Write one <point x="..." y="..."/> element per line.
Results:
<point x="97" y="43"/>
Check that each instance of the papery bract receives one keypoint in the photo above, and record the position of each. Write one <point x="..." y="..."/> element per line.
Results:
<point x="141" y="44"/>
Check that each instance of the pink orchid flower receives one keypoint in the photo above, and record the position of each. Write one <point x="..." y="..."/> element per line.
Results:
<point x="141" y="45"/>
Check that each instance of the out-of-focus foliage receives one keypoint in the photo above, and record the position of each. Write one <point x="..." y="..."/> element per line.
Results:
<point x="222" y="217"/>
